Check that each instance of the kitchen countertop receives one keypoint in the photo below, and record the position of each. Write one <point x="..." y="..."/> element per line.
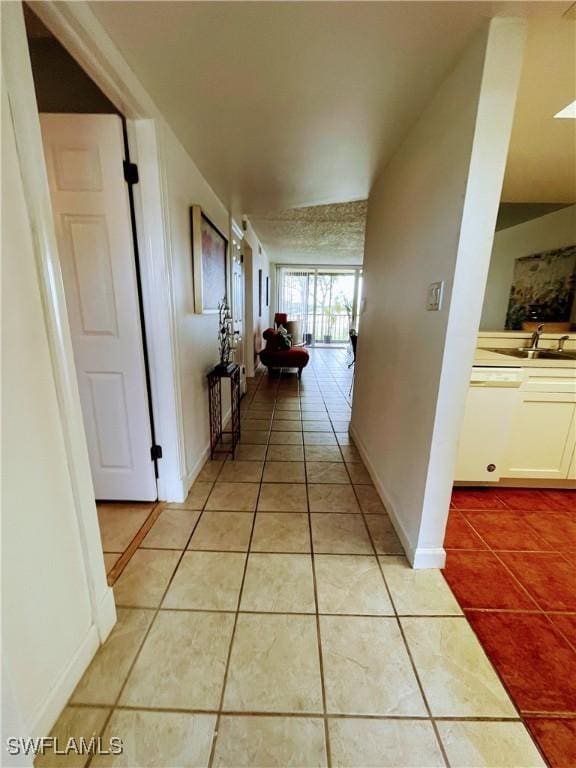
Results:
<point x="486" y="357"/>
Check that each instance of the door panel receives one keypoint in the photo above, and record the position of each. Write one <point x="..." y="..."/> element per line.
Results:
<point x="84" y="155"/>
<point x="485" y="428"/>
<point x="87" y="241"/>
<point x="542" y="436"/>
<point x="109" y="408"/>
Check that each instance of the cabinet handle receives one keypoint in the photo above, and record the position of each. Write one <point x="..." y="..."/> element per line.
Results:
<point x="491" y="467"/>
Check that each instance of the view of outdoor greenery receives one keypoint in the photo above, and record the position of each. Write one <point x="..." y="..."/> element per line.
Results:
<point x="322" y="300"/>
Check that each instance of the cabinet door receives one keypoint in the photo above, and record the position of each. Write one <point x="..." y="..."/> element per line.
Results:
<point x="542" y="436"/>
<point x="572" y="467"/>
<point x="484" y="433"/>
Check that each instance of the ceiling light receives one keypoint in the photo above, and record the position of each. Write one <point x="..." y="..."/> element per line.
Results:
<point x="569" y="111"/>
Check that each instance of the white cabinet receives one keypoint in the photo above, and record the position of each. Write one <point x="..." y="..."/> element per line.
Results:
<point x="526" y="432"/>
<point x="484" y="434"/>
<point x="572" y="468"/>
<point x="542" y="436"/>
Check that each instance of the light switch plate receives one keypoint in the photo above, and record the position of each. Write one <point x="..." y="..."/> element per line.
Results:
<point x="434" y="297"/>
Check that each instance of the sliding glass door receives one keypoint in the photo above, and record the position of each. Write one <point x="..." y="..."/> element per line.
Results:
<point x="324" y="300"/>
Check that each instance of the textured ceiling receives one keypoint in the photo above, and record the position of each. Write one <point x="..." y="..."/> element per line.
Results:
<point x="322" y="234"/>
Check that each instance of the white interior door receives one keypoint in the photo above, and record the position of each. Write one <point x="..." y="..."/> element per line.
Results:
<point x="84" y="156"/>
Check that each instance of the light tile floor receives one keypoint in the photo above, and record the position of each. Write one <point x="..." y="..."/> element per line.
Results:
<point x="119" y="524"/>
<point x="272" y="620"/>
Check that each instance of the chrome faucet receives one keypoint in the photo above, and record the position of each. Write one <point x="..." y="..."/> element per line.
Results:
<point x="536" y="337"/>
<point x="561" y="341"/>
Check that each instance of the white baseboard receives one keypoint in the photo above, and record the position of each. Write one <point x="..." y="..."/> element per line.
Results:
<point x="197" y="468"/>
<point x="418" y="557"/>
<point x="174" y="491"/>
<point x="428" y="558"/>
<point x="106" y="614"/>
<point x="195" y="471"/>
<point x="50" y="709"/>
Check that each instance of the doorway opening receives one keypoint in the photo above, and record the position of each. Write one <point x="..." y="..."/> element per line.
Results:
<point x="237" y="259"/>
<point x="90" y="177"/>
<point x="325" y="300"/>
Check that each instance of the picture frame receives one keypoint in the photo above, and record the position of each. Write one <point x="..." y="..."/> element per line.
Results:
<point x="209" y="263"/>
<point x="267" y="291"/>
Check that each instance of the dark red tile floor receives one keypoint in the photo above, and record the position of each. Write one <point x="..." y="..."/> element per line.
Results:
<point x="511" y="562"/>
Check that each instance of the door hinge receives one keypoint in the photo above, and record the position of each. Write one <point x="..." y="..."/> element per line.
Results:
<point x="131" y="172"/>
<point x="156" y="452"/>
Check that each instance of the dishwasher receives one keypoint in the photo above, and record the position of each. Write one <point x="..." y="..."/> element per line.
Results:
<point x="490" y="404"/>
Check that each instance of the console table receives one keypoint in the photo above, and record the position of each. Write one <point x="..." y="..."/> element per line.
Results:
<point x="219" y="372"/>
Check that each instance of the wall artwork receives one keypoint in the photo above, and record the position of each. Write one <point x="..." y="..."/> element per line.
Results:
<point x="209" y="254"/>
<point x="267" y="291"/>
<point x="543" y="287"/>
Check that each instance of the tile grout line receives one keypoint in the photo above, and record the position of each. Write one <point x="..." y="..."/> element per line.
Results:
<point x="401" y="630"/>
<point x="329" y="716"/>
<point x="488" y="656"/>
<point x="320" y="715"/>
<point x="279" y="392"/>
<point x="539" y="608"/>
<point x="293" y="613"/>
<point x="318" y="629"/>
<point x="145" y="636"/>
<point x="115" y="705"/>
<point x="236" y="616"/>
<point x="398" y="623"/>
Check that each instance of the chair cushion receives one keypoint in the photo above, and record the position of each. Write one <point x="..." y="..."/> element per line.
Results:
<point x="271" y="338"/>
<point x="296" y="357"/>
<point x="280" y="318"/>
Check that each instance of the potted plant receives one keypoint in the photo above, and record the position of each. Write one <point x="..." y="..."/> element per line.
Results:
<point x="328" y="336"/>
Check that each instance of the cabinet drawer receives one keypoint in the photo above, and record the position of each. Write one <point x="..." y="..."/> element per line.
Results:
<point x="562" y="380"/>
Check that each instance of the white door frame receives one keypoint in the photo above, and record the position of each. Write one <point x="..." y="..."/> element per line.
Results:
<point x="237" y="235"/>
<point x="78" y="30"/>
<point x="24" y="112"/>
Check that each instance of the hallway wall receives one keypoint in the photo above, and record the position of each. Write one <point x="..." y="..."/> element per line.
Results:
<point x="197" y="335"/>
<point x="47" y="622"/>
<point x="431" y="217"/>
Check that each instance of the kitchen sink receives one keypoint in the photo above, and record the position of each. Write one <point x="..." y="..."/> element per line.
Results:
<point x="536" y="354"/>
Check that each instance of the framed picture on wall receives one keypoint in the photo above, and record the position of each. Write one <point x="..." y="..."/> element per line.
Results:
<point x="267" y="291"/>
<point x="259" y="293"/>
<point x="209" y="256"/>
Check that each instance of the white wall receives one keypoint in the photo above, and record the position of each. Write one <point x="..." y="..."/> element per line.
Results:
<point x="255" y="324"/>
<point x="431" y="216"/>
<point x="555" y="230"/>
<point x="47" y="623"/>
<point x="197" y="335"/>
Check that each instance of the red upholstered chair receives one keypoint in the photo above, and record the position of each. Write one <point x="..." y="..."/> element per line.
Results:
<point x="274" y="356"/>
<point x="280" y="318"/>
